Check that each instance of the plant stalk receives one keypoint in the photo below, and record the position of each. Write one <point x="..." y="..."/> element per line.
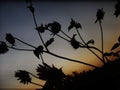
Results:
<point x="102" y="46"/>
<point x="35" y="21"/>
<point x="68" y="59"/>
<point x="36" y="84"/>
<point x="42" y="58"/>
<point x="60" y="36"/>
<point x="33" y="75"/>
<point x="20" y="49"/>
<point x="24" y="42"/>
<point x="65" y="34"/>
<point x="88" y="46"/>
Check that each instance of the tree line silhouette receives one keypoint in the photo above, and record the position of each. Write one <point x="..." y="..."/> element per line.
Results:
<point x="105" y="77"/>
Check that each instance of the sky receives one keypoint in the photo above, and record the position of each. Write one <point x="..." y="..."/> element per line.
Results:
<point x="16" y="19"/>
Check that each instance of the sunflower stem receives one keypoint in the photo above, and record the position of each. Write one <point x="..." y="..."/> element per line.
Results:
<point x="35" y="22"/>
<point x="68" y="59"/>
<point x="24" y="42"/>
<point x="42" y="58"/>
<point x="102" y="46"/>
<point x="87" y="46"/>
<point x="65" y="34"/>
<point x="80" y="36"/>
<point x="20" y="49"/>
<point x="60" y="36"/>
<point x="33" y="75"/>
<point x="36" y="84"/>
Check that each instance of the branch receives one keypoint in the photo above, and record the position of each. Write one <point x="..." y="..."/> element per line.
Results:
<point x="80" y="36"/>
<point x="19" y="49"/>
<point x="88" y="47"/>
<point x="65" y="34"/>
<point x="102" y="46"/>
<point x="35" y="21"/>
<point x="42" y="41"/>
<point x="54" y="55"/>
<point x="68" y="59"/>
<point x="33" y="75"/>
<point x="24" y="42"/>
<point x="36" y="84"/>
<point x="42" y="58"/>
<point x="60" y="36"/>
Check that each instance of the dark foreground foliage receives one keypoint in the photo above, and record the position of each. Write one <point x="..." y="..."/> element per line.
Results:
<point x="105" y="78"/>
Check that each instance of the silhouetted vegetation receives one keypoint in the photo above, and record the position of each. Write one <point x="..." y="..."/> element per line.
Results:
<point x="106" y="77"/>
<point x="100" y="78"/>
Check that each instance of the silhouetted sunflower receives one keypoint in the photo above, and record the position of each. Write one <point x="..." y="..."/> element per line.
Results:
<point x="100" y="15"/>
<point x="41" y="28"/>
<point x="46" y="72"/>
<point x="23" y="76"/>
<point x="10" y="38"/>
<point x="117" y="9"/>
<point x="74" y="24"/>
<point x="55" y="27"/>
<point x="3" y="47"/>
<point x="38" y="51"/>
<point x="75" y="44"/>
<point x="31" y="8"/>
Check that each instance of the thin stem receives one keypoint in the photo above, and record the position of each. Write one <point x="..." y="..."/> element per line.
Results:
<point x="106" y="59"/>
<point x="88" y="46"/>
<point x="60" y="36"/>
<point x="35" y="21"/>
<point x="20" y="49"/>
<point x="82" y="44"/>
<point x="79" y="42"/>
<point x="42" y="41"/>
<point x="33" y="75"/>
<point x="80" y="36"/>
<point x="24" y="42"/>
<point x="91" y="48"/>
<point x="53" y="55"/>
<point x="63" y="38"/>
<point x="42" y="58"/>
<point x="30" y="2"/>
<point x="65" y="34"/>
<point x="36" y="84"/>
<point x="95" y="54"/>
<point x="102" y="46"/>
<point x="68" y="59"/>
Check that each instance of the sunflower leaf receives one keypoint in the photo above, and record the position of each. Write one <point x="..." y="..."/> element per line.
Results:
<point x="49" y="42"/>
<point x="23" y="76"/>
<point x="74" y="42"/>
<point x="3" y="47"/>
<point x="10" y="38"/>
<point x="119" y="39"/>
<point x="90" y="42"/>
<point x="38" y="51"/>
<point x="100" y="15"/>
<point x="116" y="45"/>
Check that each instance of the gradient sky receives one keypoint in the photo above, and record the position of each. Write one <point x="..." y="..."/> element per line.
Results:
<point x="17" y="20"/>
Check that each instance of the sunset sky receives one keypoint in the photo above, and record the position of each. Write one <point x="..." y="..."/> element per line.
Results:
<point x="16" y="19"/>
